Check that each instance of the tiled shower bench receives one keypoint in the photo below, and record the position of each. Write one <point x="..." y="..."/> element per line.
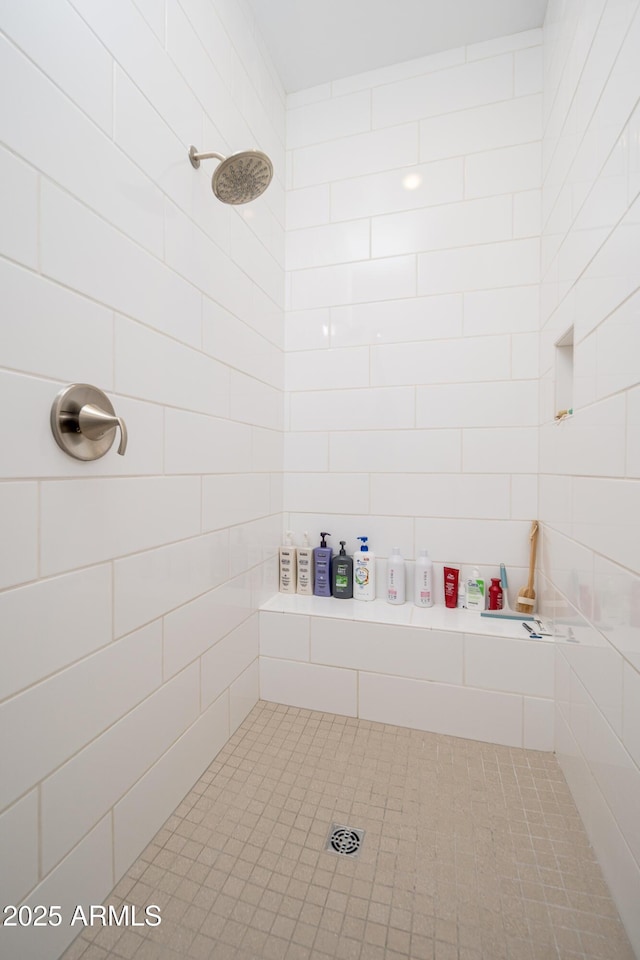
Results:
<point x="445" y="671"/>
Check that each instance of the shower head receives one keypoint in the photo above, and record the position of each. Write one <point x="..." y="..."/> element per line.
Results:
<point x="239" y="178"/>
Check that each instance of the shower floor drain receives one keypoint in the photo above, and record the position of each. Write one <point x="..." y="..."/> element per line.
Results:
<point x="344" y="840"/>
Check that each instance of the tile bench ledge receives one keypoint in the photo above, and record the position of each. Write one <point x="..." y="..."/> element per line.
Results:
<point x="437" y="617"/>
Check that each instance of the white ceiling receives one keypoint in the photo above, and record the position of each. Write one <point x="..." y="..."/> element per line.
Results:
<point x="314" y="42"/>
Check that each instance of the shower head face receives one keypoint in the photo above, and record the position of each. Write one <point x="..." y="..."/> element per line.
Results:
<point x="242" y="177"/>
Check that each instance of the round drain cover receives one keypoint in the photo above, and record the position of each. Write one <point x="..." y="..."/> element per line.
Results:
<point x="345" y="840"/>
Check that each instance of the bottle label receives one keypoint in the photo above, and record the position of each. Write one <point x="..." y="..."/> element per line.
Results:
<point x="361" y="575"/>
<point x="342" y="579"/>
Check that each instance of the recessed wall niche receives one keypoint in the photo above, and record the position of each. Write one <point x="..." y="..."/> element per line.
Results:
<point x="564" y="372"/>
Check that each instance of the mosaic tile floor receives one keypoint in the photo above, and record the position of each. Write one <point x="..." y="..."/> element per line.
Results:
<point x="471" y="852"/>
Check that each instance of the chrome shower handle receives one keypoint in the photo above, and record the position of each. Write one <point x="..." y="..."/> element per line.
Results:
<point x="94" y="422"/>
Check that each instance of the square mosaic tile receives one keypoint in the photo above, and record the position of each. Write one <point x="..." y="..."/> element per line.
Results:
<point x="471" y="851"/>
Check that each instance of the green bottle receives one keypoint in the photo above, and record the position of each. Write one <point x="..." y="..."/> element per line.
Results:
<point x="342" y="574"/>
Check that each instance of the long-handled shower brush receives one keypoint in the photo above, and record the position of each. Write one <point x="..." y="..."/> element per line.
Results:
<point x="527" y="595"/>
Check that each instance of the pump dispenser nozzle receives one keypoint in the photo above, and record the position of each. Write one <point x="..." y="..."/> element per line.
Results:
<point x="323" y="534"/>
<point x="364" y="548"/>
<point x="343" y="552"/>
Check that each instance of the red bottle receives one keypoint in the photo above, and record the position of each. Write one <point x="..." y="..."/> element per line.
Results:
<point x="495" y="594"/>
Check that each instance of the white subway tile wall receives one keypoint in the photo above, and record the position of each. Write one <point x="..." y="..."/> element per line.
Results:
<point x="129" y="635"/>
<point x="87" y="868"/>
<point x="413" y="262"/>
<point x="590" y="562"/>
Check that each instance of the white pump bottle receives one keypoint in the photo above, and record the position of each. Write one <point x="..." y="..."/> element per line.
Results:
<point x="364" y="572"/>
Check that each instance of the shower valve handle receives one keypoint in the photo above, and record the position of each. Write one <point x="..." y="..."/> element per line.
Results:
<point x="94" y="422"/>
<point x="84" y="422"/>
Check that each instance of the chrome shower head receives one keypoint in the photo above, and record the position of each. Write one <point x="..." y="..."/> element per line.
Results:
<point x="239" y="178"/>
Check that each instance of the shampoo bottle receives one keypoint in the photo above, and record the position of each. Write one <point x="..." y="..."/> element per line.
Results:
<point x="395" y="577"/>
<point x="288" y="568"/>
<point x="322" y="567"/>
<point x="305" y="567"/>
<point x="342" y="574"/>
<point x="423" y="586"/>
<point x="364" y="572"/>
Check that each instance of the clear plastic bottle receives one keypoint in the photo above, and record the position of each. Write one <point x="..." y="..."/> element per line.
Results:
<point x="423" y="585"/>
<point x="395" y="577"/>
<point x="462" y="596"/>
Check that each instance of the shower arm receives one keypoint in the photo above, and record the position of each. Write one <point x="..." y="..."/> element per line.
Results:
<point x="196" y="157"/>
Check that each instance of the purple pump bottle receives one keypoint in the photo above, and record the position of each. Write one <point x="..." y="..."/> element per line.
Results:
<point x="322" y="567"/>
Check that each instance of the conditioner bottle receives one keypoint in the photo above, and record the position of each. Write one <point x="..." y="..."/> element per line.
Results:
<point x="423" y="585"/>
<point x="305" y="567"/>
<point x="395" y="577"/>
<point x="322" y="567"/>
<point x="288" y="566"/>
